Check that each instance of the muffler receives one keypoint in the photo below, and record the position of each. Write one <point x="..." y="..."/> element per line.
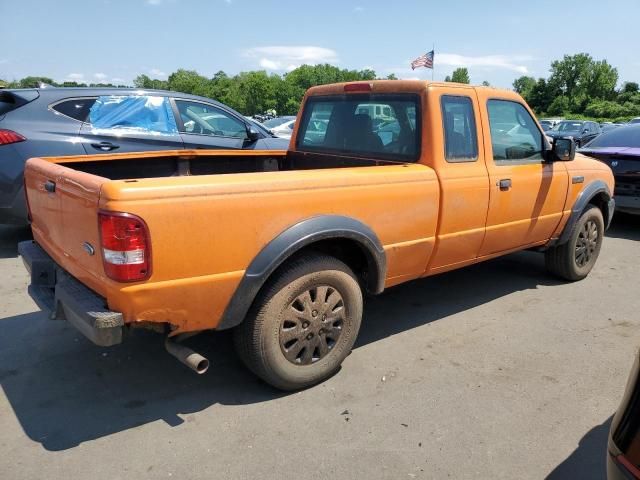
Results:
<point x="191" y="359"/>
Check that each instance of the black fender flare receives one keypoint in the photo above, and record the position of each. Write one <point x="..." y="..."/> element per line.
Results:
<point x="584" y="197"/>
<point x="293" y="239"/>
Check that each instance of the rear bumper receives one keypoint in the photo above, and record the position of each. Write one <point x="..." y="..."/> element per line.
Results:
<point x="64" y="298"/>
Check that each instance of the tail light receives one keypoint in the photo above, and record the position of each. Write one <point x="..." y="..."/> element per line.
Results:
<point x="9" y="136"/>
<point x="126" y="250"/>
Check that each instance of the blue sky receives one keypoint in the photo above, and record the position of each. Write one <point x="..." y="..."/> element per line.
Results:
<point x="498" y="40"/>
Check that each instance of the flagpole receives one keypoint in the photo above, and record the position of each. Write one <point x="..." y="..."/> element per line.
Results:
<point x="433" y="65"/>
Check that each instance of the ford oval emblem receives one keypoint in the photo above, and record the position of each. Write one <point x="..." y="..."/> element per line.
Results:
<point x="614" y="163"/>
<point x="89" y="248"/>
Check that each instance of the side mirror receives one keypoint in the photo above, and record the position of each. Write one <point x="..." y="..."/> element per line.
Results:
<point x="563" y="149"/>
<point x="253" y="135"/>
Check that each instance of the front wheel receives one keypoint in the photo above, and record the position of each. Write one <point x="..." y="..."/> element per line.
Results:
<point x="574" y="259"/>
<point x="303" y="324"/>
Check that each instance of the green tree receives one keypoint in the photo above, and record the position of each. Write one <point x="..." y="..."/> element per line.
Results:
<point x="460" y="75"/>
<point x="189" y="81"/>
<point x="34" y="82"/>
<point x="143" y="81"/>
<point x="582" y="79"/>
<point x="524" y="86"/>
<point x="392" y="76"/>
<point x="485" y="83"/>
<point x="542" y="96"/>
<point x="559" y="106"/>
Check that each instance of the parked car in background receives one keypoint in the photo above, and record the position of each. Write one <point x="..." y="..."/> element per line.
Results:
<point x="620" y="149"/>
<point x="552" y="122"/>
<point x="581" y="131"/>
<point x="623" y="459"/>
<point x="546" y="124"/>
<point x="86" y="121"/>
<point x="634" y="120"/>
<point x="284" y="130"/>
<point x="608" y="126"/>
<point x="276" y="122"/>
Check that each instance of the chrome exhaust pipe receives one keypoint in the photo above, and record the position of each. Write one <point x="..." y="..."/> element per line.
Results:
<point x="191" y="359"/>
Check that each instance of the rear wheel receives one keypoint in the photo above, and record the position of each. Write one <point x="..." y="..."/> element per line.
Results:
<point x="303" y="324"/>
<point x="574" y="259"/>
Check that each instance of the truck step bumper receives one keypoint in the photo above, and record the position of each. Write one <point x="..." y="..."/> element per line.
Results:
<point x="64" y="298"/>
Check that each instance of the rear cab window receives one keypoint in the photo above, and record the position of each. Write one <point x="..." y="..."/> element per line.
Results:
<point x="377" y="126"/>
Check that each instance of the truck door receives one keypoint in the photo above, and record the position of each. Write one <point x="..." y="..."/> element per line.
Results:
<point x="458" y="157"/>
<point x="527" y="194"/>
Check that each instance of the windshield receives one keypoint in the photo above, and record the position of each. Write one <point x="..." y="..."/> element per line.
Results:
<point x="620" y="137"/>
<point x="372" y="126"/>
<point x="568" y="126"/>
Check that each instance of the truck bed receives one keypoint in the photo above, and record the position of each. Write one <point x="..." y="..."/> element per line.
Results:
<point x="209" y="213"/>
<point x="204" y="162"/>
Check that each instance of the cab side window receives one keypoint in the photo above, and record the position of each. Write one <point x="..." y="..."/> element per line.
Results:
<point x="514" y="133"/>
<point x="460" y="135"/>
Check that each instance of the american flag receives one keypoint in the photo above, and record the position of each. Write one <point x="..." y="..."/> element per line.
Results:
<point x="425" y="60"/>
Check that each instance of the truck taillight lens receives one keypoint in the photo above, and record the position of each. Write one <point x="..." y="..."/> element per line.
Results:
<point x="126" y="251"/>
<point x="9" y="136"/>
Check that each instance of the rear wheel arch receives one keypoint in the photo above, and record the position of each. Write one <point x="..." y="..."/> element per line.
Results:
<point x="341" y="237"/>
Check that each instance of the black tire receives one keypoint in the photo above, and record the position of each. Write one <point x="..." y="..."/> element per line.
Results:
<point x="574" y="259"/>
<point x="293" y="338"/>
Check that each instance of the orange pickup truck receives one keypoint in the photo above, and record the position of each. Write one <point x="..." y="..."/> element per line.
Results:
<point x="384" y="182"/>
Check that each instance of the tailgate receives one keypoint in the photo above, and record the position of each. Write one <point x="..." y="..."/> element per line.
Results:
<point x="64" y="213"/>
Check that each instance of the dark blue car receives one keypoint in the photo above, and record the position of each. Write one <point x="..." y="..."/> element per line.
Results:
<point x="86" y="121"/>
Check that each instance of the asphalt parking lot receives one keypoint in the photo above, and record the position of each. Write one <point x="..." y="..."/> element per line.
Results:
<point x="494" y="371"/>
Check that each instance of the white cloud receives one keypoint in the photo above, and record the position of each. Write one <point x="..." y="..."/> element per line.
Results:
<point x="118" y="80"/>
<point x="269" y="64"/>
<point x="156" y="72"/>
<point x="154" y="2"/>
<point x="100" y="76"/>
<point x="287" y="58"/>
<point x="76" y="77"/>
<point x="3" y="61"/>
<point x="358" y="9"/>
<point x="488" y="62"/>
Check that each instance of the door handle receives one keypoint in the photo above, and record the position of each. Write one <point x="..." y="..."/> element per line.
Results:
<point x="105" y="146"/>
<point x="504" y="184"/>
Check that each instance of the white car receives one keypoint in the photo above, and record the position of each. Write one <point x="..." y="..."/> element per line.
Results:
<point x="284" y="130"/>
